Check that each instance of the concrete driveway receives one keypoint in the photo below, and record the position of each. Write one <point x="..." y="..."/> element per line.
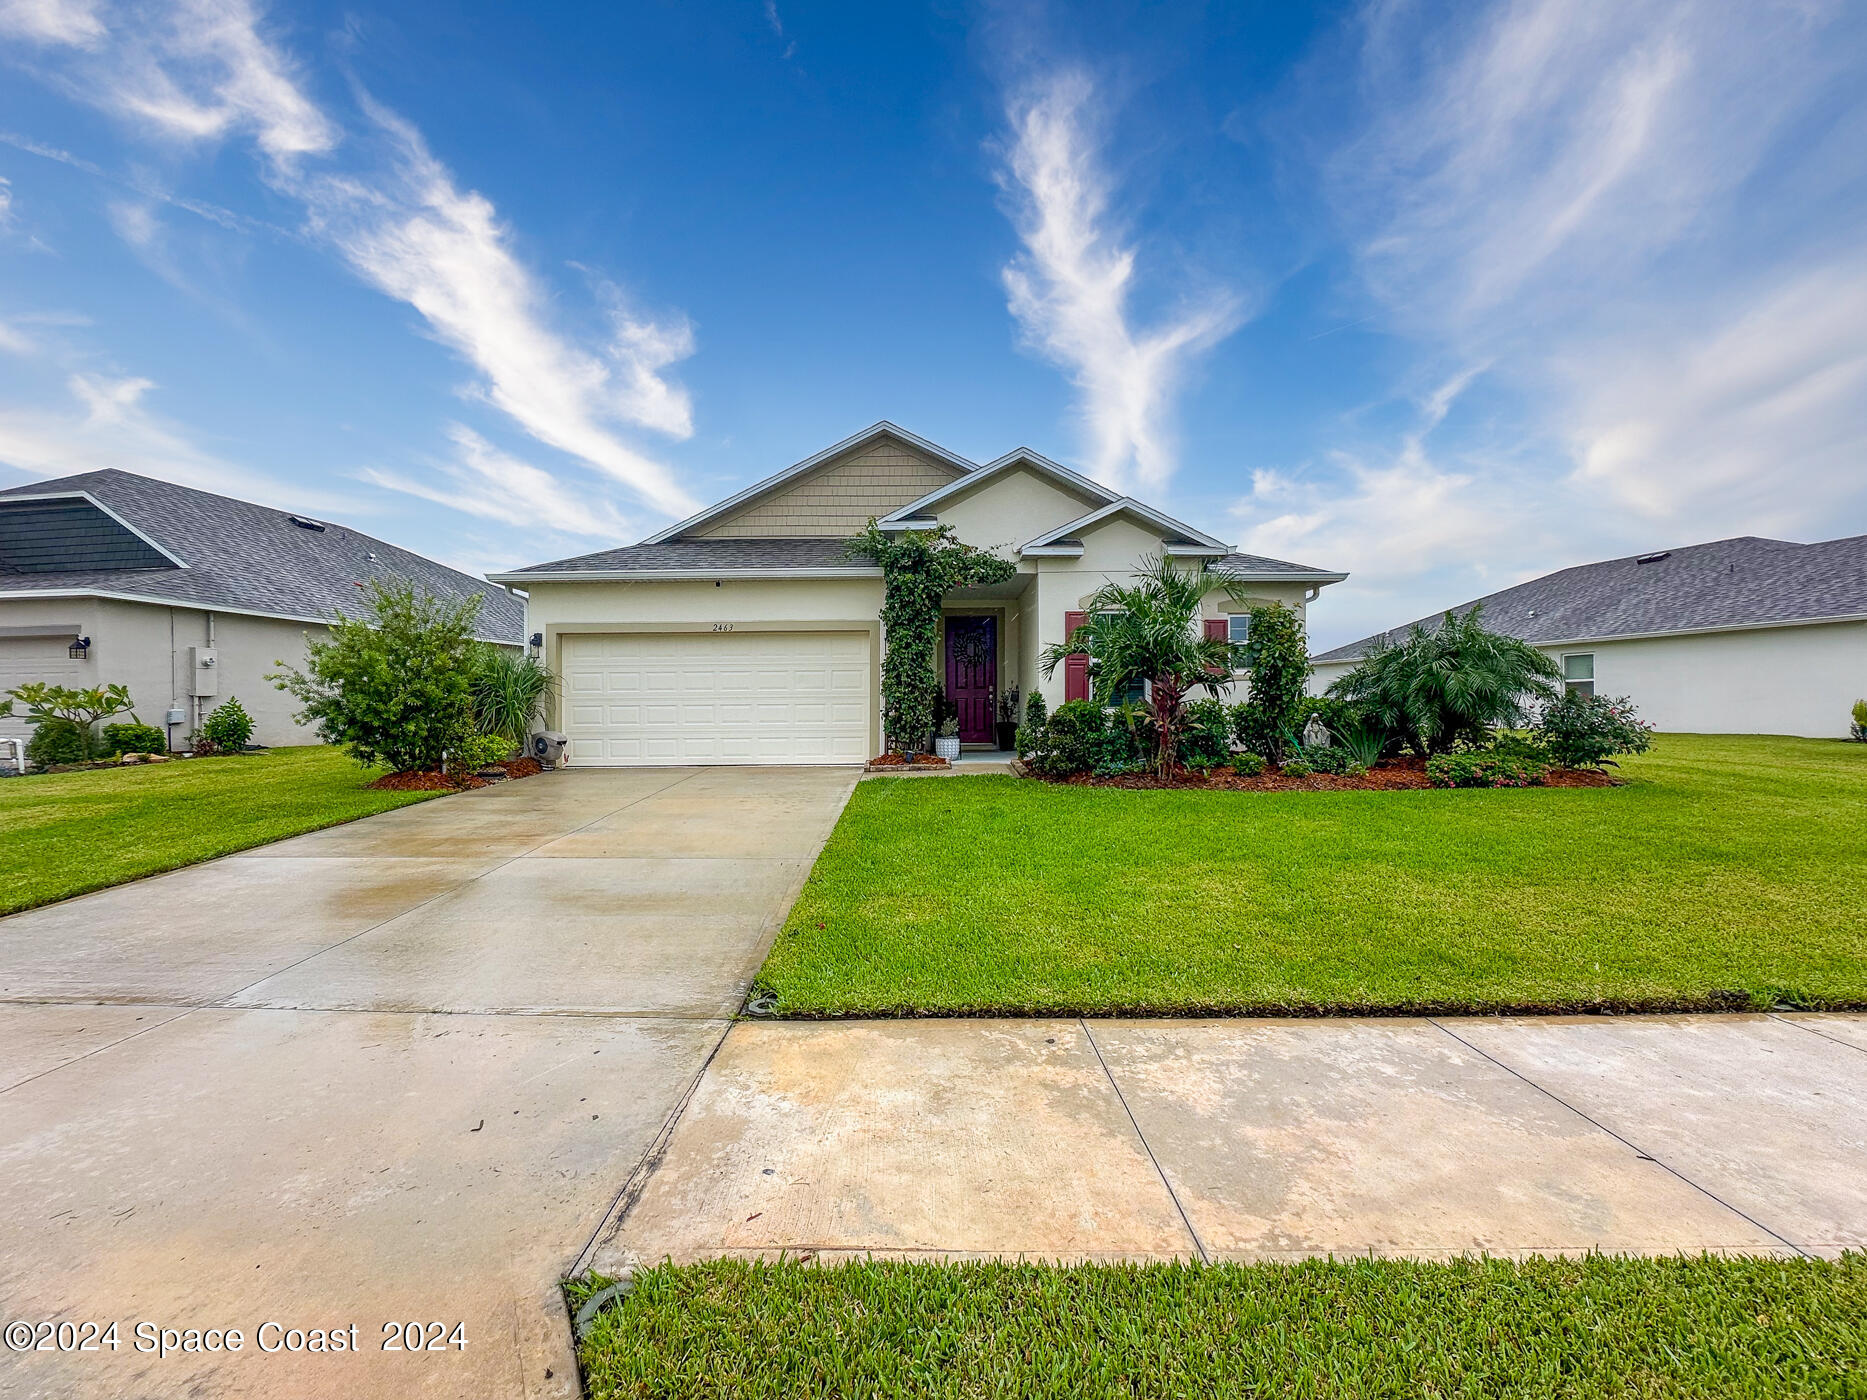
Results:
<point x="392" y="1072"/>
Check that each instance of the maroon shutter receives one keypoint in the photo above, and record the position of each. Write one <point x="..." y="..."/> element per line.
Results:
<point x="1076" y="665"/>
<point x="1217" y="630"/>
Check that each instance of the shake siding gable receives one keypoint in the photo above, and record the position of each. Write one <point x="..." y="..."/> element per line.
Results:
<point x="839" y="498"/>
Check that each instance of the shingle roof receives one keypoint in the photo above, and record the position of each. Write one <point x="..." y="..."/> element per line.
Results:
<point x="1254" y="564"/>
<point x="706" y="555"/>
<point x="251" y="558"/>
<point x="1742" y="582"/>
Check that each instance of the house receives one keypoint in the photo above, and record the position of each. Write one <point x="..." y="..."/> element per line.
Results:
<point x="187" y="597"/>
<point x="1740" y="636"/>
<point x="749" y="634"/>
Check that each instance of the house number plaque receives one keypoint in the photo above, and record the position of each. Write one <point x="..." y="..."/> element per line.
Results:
<point x="722" y="627"/>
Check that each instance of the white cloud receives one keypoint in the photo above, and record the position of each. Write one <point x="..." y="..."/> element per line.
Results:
<point x="201" y="70"/>
<point x="481" y="480"/>
<point x="1070" y="288"/>
<point x="51" y="21"/>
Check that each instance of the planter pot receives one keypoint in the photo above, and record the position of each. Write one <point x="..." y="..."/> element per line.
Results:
<point x="947" y="748"/>
<point x="1007" y="735"/>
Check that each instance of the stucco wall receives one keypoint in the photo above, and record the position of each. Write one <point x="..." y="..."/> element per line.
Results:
<point x="1011" y="509"/>
<point x="145" y="646"/>
<point x="1775" y="680"/>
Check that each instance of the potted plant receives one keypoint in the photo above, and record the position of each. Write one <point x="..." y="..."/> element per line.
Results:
<point x="946" y="742"/>
<point x="1006" y="731"/>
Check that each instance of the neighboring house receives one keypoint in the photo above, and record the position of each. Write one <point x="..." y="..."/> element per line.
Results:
<point x="187" y="597"/>
<point x="748" y="634"/>
<point x="1742" y="636"/>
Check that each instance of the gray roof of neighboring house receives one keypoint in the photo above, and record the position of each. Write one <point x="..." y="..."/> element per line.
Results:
<point x="240" y="557"/>
<point x="710" y="555"/>
<point x="1743" y="582"/>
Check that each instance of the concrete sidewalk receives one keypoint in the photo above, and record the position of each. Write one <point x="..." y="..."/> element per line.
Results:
<point x="1068" y="1139"/>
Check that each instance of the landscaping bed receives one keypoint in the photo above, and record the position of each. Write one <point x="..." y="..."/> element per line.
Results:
<point x="1389" y="775"/>
<point x="423" y="780"/>
<point x="1597" y="1326"/>
<point x="1727" y="872"/>
<point x="881" y="763"/>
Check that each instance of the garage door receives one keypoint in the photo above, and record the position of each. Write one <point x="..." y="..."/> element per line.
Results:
<point x="24" y="659"/>
<point x="717" y="697"/>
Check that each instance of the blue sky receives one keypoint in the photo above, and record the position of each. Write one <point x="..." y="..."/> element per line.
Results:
<point x="1446" y="296"/>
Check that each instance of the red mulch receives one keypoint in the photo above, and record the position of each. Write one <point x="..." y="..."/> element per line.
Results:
<point x="521" y="767"/>
<point x="1393" y="774"/>
<point x="415" y="781"/>
<point x="921" y="760"/>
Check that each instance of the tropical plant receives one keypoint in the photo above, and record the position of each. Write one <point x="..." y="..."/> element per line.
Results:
<point x="83" y="709"/>
<point x="227" y="729"/>
<point x="1859" y="727"/>
<point x="1363" y="743"/>
<point x="1148" y="631"/>
<point x="1277" y="658"/>
<point x="134" y="738"/>
<point x="509" y="689"/>
<point x="1586" y="731"/>
<point x="1435" y="690"/>
<point x="394" y="686"/>
<point x="919" y="568"/>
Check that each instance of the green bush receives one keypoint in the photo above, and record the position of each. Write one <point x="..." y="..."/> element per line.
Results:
<point x="509" y="689"/>
<point x="1277" y="657"/>
<point x="1336" y="715"/>
<point x="1248" y="765"/>
<point x="1586" y="731"/>
<point x="1073" y="740"/>
<point x="56" y="740"/>
<point x="134" y="738"/>
<point x="394" y="687"/>
<point x="1296" y="768"/>
<point x="1036" y="711"/>
<point x="84" y="709"/>
<point x="227" y="729"/>
<point x="1205" y="734"/>
<point x="475" y="751"/>
<point x="1437" y="690"/>
<point x="1484" y="770"/>
<point x="1324" y="758"/>
<point x="1859" y="728"/>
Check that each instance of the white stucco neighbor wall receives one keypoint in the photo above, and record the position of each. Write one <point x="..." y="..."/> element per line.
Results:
<point x="1766" y="680"/>
<point x="144" y="646"/>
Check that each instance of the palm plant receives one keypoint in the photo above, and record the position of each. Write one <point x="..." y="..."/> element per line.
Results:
<point x="1148" y="631"/>
<point x="1456" y="683"/>
<point x="509" y="688"/>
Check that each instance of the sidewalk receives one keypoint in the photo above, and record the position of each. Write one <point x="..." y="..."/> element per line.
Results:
<point x="1264" y="1139"/>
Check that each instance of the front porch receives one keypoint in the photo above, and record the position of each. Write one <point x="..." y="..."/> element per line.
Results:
<point x="986" y="662"/>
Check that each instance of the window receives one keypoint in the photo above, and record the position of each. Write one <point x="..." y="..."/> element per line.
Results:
<point x="1238" y="629"/>
<point x="1134" y="693"/>
<point x="1578" y="672"/>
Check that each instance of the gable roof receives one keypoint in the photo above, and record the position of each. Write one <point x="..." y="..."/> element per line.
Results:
<point x="907" y="517"/>
<point x="1736" y="583"/>
<point x="760" y="488"/>
<point x="812" y="556"/>
<point x="217" y="553"/>
<point x="1177" y="537"/>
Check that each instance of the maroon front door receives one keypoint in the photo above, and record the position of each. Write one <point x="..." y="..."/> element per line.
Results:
<point x="972" y="674"/>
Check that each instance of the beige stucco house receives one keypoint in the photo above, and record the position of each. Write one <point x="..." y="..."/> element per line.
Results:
<point x="186" y="597"/>
<point x="1739" y="636"/>
<point x="748" y="634"/>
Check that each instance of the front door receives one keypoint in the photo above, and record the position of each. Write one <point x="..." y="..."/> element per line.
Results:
<point x="972" y="674"/>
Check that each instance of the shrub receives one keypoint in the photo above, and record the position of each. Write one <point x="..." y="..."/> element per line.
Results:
<point x="84" y="709"/>
<point x="1484" y="770"/>
<point x="1859" y="728"/>
<point x="1247" y="765"/>
<point x="1296" y="768"/>
<point x="475" y="751"/>
<point x="1586" y="731"/>
<point x="395" y="687"/>
<point x="1070" y="741"/>
<point x="1277" y="657"/>
<point x="1331" y="758"/>
<point x="1035" y="710"/>
<point x="57" y="740"/>
<point x="1336" y="715"/>
<point x="1436" y="690"/>
<point x="509" y="689"/>
<point x="134" y="738"/>
<point x="227" y="729"/>
<point x="1205" y="734"/>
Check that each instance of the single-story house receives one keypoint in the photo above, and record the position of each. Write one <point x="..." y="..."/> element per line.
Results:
<point x="1740" y="636"/>
<point x="749" y="634"/>
<point x="186" y="597"/>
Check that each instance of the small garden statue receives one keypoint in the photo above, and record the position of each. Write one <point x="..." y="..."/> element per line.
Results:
<point x="1315" y="733"/>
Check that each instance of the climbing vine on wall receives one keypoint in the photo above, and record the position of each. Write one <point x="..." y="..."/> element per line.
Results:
<point x="919" y="568"/>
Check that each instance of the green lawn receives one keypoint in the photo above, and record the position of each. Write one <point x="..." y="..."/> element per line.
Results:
<point x="66" y="833"/>
<point x="1595" y="1327"/>
<point x="1728" y="871"/>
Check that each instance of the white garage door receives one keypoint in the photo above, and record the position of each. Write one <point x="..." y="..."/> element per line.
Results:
<point x="717" y="697"/>
<point x="24" y="659"/>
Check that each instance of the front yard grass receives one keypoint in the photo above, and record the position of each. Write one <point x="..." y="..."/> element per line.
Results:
<point x="1729" y="871"/>
<point x="1599" y="1326"/>
<point x="68" y="833"/>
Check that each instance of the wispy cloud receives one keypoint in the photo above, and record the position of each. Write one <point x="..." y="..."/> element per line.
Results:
<point x="51" y="21"/>
<point x="202" y="70"/>
<point x="1071" y="287"/>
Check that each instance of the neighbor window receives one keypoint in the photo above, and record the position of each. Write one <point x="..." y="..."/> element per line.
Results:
<point x="1578" y="672"/>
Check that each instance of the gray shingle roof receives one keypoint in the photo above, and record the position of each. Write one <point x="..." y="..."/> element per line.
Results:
<point x="1259" y="564"/>
<point x="251" y="558"/>
<point x="1743" y="582"/>
<point x="817" y="552"/>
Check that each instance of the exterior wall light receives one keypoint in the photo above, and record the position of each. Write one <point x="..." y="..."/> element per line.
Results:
<point x="79" y="649"/>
